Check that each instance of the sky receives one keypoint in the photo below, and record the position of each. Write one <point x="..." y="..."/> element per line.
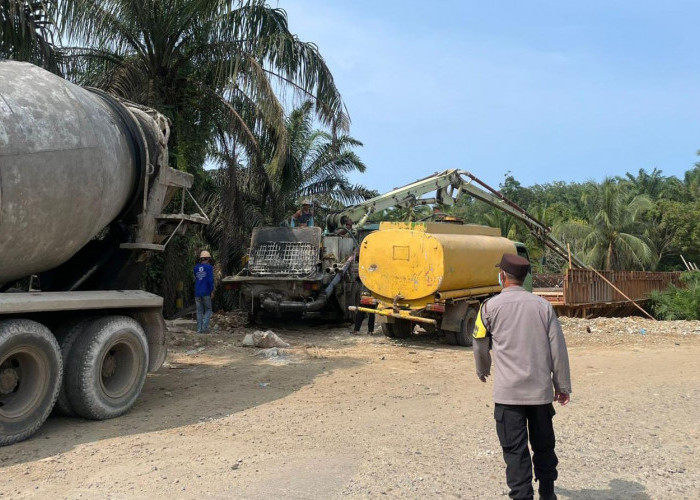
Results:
<point x="546" y="91"/>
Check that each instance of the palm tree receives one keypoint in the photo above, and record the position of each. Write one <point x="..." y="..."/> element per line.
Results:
<point x="28" y="32"/>
<point x="316" y="166"/>
<point x="654" y="185"/>
<point x="503" y="221"/>
<point x="611" y="234"/>
<point x="217" y="68"/>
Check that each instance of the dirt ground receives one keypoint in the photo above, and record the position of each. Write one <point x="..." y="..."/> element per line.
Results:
<point x="337" y="415"/>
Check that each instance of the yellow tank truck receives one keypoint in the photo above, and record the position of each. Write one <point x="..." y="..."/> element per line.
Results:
<point x="432" y="274"/>
<point x="435" y="274"/>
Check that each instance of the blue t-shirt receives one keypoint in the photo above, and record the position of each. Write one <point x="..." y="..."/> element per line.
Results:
<point x="203" y="280"/>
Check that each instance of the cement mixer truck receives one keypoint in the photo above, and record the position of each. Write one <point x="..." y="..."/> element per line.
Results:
<point x="84" y="180"/>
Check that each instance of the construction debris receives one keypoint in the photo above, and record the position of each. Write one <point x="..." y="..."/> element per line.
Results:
<point x="272" y="352"/>
<point x="263" y="339"/>
<point x="229" y="320"/>
<point x="631" y="330"/>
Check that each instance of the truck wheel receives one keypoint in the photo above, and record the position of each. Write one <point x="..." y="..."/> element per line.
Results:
<point x="402" y="329"/>
<point x="30" y="378"/>
<point x="388" y="329"/>
<point x="66" y="335"/>
<point x="465" y="335"/>
<point x="107" y="368"/>
<point x="451" y="338"/>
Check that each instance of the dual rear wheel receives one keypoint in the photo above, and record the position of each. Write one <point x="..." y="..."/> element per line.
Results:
<point x="95" y="370"/>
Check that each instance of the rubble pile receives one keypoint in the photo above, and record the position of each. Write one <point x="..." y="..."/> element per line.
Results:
<point x="229" y="320"/>
<point x="631" y="330"/>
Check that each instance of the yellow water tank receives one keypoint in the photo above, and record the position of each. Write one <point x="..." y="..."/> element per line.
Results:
<point x="414" y="261"/>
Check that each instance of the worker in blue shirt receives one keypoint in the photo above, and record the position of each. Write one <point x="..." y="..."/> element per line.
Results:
<point x="203" y="290"/>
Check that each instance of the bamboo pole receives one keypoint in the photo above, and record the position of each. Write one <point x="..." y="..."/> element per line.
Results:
<point x="568" y="249"/>
<point x="623" y="294"/>
<point x="687" y="267"/>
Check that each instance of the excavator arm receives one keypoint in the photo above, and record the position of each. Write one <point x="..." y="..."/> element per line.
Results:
<point x="448" y="187"/>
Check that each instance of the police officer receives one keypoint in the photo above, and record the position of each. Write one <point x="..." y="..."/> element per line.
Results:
<point x="531" y="371"/>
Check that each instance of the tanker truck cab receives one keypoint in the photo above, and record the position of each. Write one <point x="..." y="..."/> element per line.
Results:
<point x="432" y="274"/>
<point x="521" y="249"/>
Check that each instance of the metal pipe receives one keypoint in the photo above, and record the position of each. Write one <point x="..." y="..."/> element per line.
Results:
<point x="390" y="313"/>
<point x="467" y="292"/>
<point x="284" y="306"/>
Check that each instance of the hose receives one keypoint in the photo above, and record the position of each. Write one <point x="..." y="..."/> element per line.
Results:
<point x="285" y="306"/>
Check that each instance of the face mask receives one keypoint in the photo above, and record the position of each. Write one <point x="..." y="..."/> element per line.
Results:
<point x="500" y="282"/>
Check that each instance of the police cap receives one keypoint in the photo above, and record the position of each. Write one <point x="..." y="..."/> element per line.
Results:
<point x="514" y="265"/>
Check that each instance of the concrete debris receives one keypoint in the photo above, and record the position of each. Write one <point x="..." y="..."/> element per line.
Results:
<point x="194" y="351"/>
<point x="263" y="339"/>
<point x="272" y="352"/>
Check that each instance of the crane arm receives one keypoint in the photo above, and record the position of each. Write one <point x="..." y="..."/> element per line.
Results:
<point x="449" y="186"/>
<point x="409" y="195"/>
<point x="539" y="229"/>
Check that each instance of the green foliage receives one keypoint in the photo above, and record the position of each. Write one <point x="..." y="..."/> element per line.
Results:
<point x="679" y="303"/>
<point x="219" y="69"/>
<point x="223" y="72"/>
<point x="611" y="234"/>
<point x="28" y="32"/>
<point x="316" y="166"/>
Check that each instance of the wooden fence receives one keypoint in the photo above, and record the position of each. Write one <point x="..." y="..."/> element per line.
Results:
<point x="582" y="290"/>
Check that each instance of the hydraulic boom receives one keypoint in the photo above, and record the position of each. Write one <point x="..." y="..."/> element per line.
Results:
<point x="448" y="187"/>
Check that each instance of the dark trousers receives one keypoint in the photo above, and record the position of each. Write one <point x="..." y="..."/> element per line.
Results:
<point x="360" y="317"/>
<point x="513" y="424"/>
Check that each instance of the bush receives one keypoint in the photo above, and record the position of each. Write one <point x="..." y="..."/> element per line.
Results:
<point x="679" y="302"/>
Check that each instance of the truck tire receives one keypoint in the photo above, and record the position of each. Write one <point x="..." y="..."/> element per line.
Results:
<point x="66" y="335"/>
<point x="30" y="378"/>
<point x="465" y="335"/>
<point x="451" y="338"/>
<point x="107" y="368"/>
<point x="388" y="329"/>
<point x="402" y="329"/>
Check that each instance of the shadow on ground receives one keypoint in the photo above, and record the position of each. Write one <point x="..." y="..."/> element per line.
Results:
<point x="197" y="389"/>
<point x="618" y="489"/>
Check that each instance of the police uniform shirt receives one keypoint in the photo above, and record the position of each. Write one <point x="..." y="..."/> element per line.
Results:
<point x="529" y="350"/>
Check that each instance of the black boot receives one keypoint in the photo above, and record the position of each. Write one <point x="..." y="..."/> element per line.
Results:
<point x="546" y="490"/>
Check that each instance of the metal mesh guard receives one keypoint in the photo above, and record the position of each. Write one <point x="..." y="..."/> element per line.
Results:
<point x="283" y="257"/>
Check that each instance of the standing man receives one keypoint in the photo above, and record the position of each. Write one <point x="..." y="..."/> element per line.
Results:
<point x="365" y="300"/>
<point x="203" y="290"/>
<point x="305" y="216"/>
<point x="531" y="371"/>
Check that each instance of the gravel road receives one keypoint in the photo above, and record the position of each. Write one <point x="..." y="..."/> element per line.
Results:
<point x="337" y="415"/>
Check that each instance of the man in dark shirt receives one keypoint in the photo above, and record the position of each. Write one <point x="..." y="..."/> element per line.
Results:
<point x="305" y="216"/>
<point x="203" y="290"/>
